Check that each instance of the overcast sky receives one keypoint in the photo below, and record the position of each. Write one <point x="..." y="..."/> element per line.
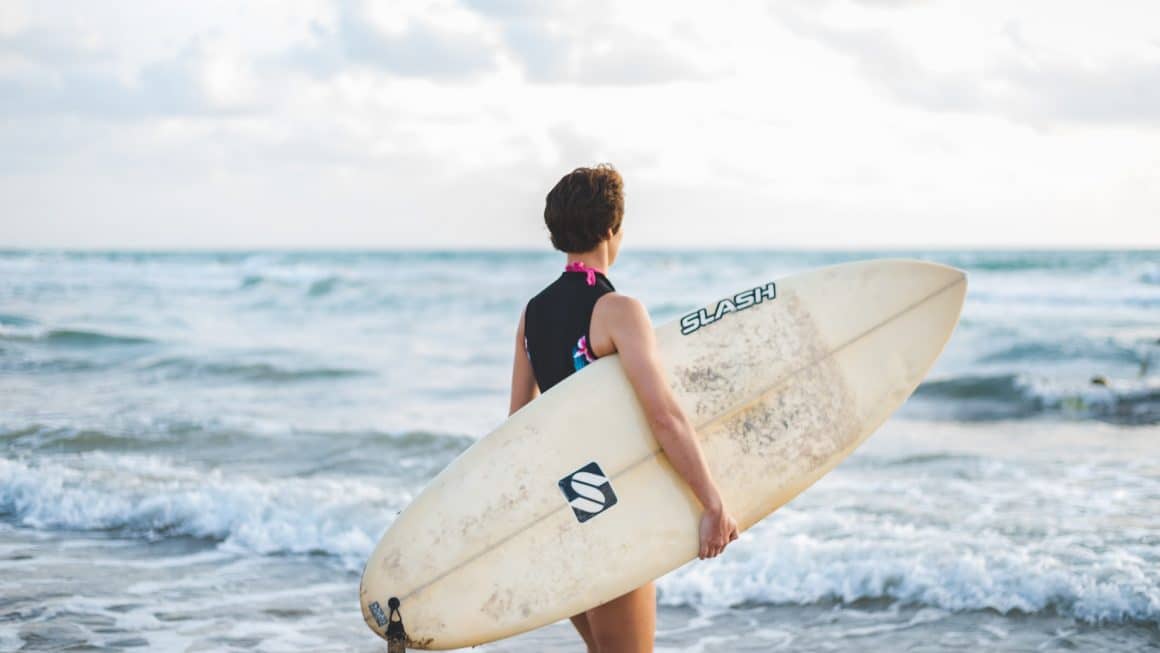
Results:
<point x="444" y="124"/>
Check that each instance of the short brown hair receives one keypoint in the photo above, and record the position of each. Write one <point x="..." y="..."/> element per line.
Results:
<point x="583" y="206"/>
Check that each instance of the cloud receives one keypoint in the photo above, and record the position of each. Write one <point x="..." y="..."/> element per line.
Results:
<point x="1018" y="82"/>
<point x="599" y="55"/>
<point x="445" y="121"/>
<point x="591" y="44"/>
<point x="422" y="47"/>
<point x="50" y="47"/>
<point x="891" y="4"/>
<point x="567" y="43"/>
<point x="509" y="9"/>
<point x="1114" y="93"/>
<point x="67" y="80"/>
<point x="891" y="67"/>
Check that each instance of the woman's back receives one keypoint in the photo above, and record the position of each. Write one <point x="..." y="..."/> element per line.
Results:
<point x="557" y="323"/>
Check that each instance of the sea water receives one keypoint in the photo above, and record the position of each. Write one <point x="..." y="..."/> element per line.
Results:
<point x="198" y="451"/>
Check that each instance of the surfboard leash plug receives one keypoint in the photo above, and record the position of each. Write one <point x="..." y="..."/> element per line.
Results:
<point x="396" y="634"/>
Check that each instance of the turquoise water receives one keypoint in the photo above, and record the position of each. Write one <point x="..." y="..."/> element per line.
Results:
<point x="184" y="445"/>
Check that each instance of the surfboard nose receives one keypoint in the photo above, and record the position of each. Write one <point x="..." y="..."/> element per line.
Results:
<point x="886" y="323"/>
<point x="849" y="299"/>
<point x="936" y="272"/>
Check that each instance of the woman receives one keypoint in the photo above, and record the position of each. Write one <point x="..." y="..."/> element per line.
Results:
<point x="579" y="318"/>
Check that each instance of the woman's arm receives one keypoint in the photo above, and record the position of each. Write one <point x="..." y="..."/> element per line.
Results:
<point x="524" y="387"/>
<point x="632" y="333"/>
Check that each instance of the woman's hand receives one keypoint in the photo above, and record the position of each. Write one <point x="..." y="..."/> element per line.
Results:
<point x="718" y="529"/>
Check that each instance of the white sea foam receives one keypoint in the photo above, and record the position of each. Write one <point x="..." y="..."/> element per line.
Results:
<point x="830" y="548"/>
<point x="150" y="497"/>
<point x="952" y="570"/>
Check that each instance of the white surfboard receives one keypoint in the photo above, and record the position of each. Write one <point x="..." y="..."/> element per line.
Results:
<point x="571" y="502"/>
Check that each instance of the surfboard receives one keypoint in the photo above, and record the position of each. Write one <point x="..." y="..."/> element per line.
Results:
<point x="571" y="502"/>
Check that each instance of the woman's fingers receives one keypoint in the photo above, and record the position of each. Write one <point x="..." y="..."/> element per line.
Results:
<point x="717" y="531"/>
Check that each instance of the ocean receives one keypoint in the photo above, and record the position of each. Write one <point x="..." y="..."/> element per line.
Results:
<point x="198" y="451"/>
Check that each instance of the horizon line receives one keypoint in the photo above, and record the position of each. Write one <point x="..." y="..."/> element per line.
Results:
<point x="1105" y="247"/>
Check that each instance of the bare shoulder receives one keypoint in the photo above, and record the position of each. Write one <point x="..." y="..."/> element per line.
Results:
<point x="622" y="310"/>
<point x="625" y="324"/>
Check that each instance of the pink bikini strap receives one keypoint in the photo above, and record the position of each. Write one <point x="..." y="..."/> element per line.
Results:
<point x="578" y="266"/>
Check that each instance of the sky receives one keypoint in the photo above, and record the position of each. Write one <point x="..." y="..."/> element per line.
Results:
<point x="444" y="123"/>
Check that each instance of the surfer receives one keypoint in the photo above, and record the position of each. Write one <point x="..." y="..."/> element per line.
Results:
<point x="575" y="320"/>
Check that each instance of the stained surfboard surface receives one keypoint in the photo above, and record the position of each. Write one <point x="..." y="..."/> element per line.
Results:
<point x="571" y="502"/>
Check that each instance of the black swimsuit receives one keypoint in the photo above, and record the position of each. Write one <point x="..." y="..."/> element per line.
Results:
<point x="556" y="323"/>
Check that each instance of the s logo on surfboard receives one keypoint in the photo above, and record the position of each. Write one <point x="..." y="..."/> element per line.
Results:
<point x="739" y="302"/>
<point x="588" y="491"/>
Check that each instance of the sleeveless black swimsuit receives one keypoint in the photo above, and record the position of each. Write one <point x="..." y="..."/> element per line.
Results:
<point x="556" y="323"/>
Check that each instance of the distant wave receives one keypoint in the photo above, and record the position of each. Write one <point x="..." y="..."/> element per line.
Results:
<point x="9" y="363"/>
<point x="9" y="319"/>
<point x="1015" y="261"/>
<point x="320" y="287"/>
<point x="182" y="367"/>
<point x="63" y="439"/>
<point x="1099" y="350"/>
<point x="83" y="338"/>
<point x="157" y="434"/>
<point x="1151" y="275"/>
<point x="1007" y="396"/>
<point x="929" y="458"/>
<point x="314" y="287"/>
<point x="74" y="338"/>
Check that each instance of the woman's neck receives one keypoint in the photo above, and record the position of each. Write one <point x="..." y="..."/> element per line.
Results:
<point x="595" y="258"/>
